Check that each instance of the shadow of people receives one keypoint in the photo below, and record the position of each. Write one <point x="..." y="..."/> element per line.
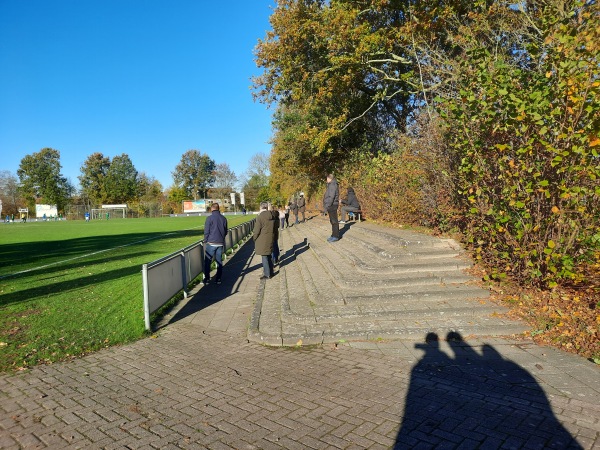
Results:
<point x="345" y="227"/>
<point x="288" y="256"/>
<point x="475" y="400"/>
<point x="238" y="266"/>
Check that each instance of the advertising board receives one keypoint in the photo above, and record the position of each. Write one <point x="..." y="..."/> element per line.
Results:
<point x="194" y="206"/>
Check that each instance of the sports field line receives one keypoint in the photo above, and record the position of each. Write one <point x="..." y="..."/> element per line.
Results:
<point x="8" y="275"/>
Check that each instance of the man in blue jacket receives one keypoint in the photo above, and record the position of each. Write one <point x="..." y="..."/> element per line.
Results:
<point x="215" y="231"/>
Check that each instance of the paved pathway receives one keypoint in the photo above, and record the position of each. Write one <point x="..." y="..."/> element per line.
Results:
<point x="202" y="382"/>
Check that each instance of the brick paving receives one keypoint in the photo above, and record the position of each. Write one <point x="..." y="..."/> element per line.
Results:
<point x="200" y="382"/>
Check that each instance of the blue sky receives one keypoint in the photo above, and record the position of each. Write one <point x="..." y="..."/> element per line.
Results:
<point x="150" y="78"/>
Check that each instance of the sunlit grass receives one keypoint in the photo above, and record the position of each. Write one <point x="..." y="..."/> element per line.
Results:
<point x="70" y="288"/>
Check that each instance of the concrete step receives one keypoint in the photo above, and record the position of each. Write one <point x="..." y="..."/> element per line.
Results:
<point x="398" y="312"/>
<point x="402" y="280"/>
<point x="404" y="238"/>
<point x="410" y="265"/>
<point x="418" y="295"/>
<point x="385" y="250"/>
<point x="329" y="292"/>
<point x="295" y="334"/>
<point x="360" y="248"/>
<point x="350" y="271"/>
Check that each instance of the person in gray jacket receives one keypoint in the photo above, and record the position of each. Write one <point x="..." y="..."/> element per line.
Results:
<point x="350" y="204"/>
<point x="302" y="207"/>
<point x="331" y="201"/>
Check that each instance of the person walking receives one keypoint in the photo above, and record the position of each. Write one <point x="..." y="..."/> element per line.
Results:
<point x="302" y="207"/>
<point x="215" y="231"/>
<point x="263" y="237"/>
<point x="331" y="201"/>
<point x="350" y="204"/>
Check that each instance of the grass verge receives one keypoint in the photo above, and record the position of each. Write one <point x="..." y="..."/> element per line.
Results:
<point x="71" y="288"/>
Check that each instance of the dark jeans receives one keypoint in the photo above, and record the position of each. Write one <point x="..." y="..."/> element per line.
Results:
<point x="267" y="265"/>
<point x="287" y="219"/>
<point x="282" y="221"/>
<point x="213" y="252"/>
<point x="333" y="219"/>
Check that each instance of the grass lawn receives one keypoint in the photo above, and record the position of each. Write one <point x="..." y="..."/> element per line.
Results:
<point x="70" y="288"/>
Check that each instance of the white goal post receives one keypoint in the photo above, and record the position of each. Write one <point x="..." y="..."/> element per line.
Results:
<point x="110" y="212"/>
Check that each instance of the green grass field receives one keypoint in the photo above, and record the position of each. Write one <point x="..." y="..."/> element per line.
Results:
<point x="70" y="288"/>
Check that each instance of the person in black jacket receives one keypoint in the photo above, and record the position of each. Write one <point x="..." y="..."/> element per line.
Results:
<point x="264" y="239"/>
<point x="275" y="255"/>
<point x="350" y="204"/>
<point x="215" y="231"/>
<point x="331" y="202"/>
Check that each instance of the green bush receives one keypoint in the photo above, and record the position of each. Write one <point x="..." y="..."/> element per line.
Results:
<point x="526" y="135"/>
<point x="411" y="185"/>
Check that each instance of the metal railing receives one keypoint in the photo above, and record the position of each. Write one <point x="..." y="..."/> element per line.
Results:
<point x="166" y="277"/>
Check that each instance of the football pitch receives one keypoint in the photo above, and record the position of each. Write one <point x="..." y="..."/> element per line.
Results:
<point x="72" y="287"/>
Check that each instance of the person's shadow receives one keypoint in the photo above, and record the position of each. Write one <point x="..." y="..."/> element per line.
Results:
<point x="476" y="401"/>
<point x="238" y="266"/>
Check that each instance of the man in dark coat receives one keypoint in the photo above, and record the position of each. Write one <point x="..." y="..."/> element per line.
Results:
<point x="215" y="231"/>
<point x="302" y="207"/>
<point x="275" y="254"/>
<point x="264" y="237"/>
<point x="331" y="202"/>
<point x="350" y="204"/>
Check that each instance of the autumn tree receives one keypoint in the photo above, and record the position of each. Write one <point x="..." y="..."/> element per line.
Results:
<point x="148" y="188"/>
<point x="93" y="178"/>
<point x="121" y="180"/>
<point x="344" y="67"/>
<point x="224" y="182"/>
<point x="194" y="173"/>
<point x="41" y="179"/>
<point x="516" y="83"/>
<point x="258" y="166"/>
<point x="255" y="180"/>
<point x="149" y="201"/>
<point x="9" y="192"/>
<point x="174" y="197"/>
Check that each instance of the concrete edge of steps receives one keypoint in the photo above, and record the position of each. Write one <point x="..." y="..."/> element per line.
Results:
<point x="302" y="329"/>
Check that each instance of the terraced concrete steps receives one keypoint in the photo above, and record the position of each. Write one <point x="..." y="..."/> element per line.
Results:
<point x="375" y="283"/>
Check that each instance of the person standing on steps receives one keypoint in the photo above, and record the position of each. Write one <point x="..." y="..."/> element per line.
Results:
<point x="331" y="201"/>
<point x="215" y="231"/>
<point x="302" y="207"/>
<point x="275" y="254"/>
<point x="287" y="215"/>
<point x="294" y="208"/>
<point x="282" y="216"/>
<point x="263" y="236"/>
<point x="350" y="204"/>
